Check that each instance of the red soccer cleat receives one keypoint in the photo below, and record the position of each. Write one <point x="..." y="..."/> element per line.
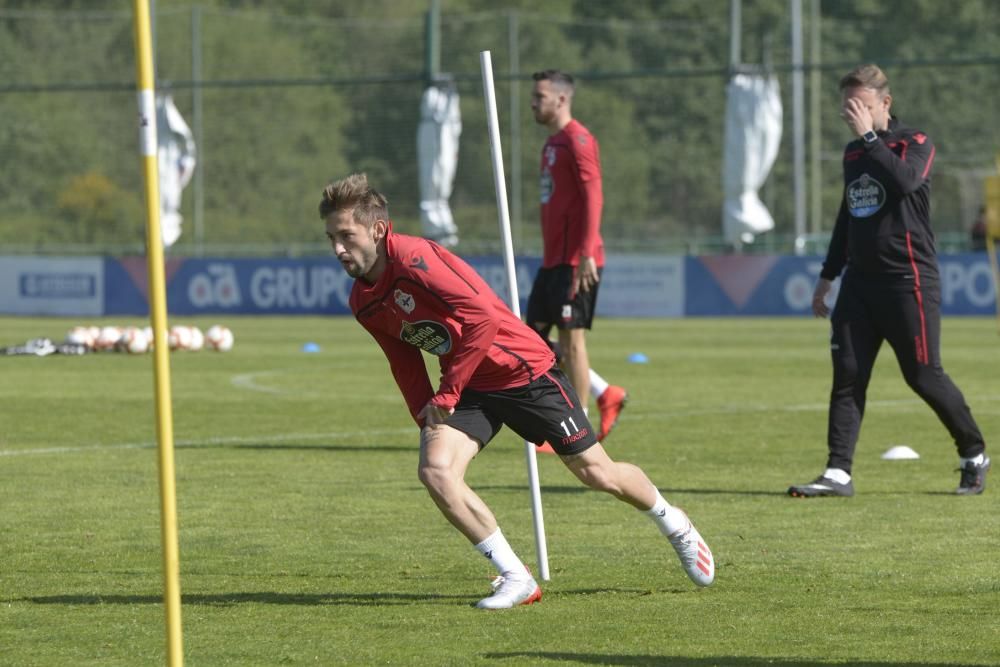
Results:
<point x="611" y="403"/>
<point x="545" y="448"/>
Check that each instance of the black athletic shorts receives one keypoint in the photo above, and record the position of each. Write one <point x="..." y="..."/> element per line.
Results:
<point x="550" y="301"/>
<point x="546" y="410"/>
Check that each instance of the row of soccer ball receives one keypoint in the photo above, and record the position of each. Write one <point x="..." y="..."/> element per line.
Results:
<point x="137" y="340"/>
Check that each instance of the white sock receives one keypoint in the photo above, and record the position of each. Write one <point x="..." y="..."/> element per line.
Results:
<point x="597" y="384"/>
<point x="837" y="475"/>
<point x="496" y="548"/>
<point x="977" y="460"/>
<point x="667" y="518"/>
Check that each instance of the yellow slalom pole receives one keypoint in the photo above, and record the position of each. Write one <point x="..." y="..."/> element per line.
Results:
<point x="158" y="316"/>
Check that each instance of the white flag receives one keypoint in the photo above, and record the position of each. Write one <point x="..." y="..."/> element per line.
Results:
<point x="437" y="155"/>
<point x="753" y="135"/>
<point x="176" y="159"/>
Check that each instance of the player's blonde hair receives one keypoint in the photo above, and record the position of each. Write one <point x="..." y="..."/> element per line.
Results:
<point x="353" y="192"/>
<point x="866" y="76"/>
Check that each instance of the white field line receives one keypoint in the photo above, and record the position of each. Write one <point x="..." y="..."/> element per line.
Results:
<point x="228" y="440"/>
<point x="249" y="381"/>
<point x="253" y="382"/>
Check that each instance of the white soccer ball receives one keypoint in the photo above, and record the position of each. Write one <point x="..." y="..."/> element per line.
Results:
<point x="197" y="339"/>
<point x="179" y="337"/>
<point x="80" y="336"/>
<point x="148" y="332"/>
<point x="108" y="338"/>
<point x="133" y="341"/>
<point x="219" y="338"/>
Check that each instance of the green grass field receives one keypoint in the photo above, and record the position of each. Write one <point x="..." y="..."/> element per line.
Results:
<point x="305" y="537"/>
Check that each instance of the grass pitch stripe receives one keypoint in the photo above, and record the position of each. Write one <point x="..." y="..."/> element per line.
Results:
<point x="204" y="442"/>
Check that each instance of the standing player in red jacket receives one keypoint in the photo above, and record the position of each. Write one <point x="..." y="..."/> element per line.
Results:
<point x="565" y="291"/>
<point x="413" y="296"/>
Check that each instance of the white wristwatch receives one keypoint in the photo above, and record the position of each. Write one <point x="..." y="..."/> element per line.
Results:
<point x="870" y="136"/>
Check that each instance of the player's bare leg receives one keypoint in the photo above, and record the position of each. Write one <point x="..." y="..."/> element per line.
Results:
<point x="630" y="484"/>
<point x="445" y="454"/>
<point x="576" y="362"/>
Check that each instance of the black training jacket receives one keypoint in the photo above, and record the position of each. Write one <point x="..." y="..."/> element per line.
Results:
<point x="883" y="229"/>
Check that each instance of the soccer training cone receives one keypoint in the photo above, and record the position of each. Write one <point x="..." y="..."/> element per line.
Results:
<point x="900" y="453"/>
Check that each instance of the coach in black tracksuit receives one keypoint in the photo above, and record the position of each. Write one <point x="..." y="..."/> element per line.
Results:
<point x="890" y="289"/>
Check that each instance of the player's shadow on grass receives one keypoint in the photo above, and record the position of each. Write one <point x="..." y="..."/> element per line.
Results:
<point x="544" y="488"/>
<point x="580" y="488"/>
<point x="726" y="492"/>
<point x="679" y="660"/>
<point x="263" y="597"/>
<point x="371" y="449"/>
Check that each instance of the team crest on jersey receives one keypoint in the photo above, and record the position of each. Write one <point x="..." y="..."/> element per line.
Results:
<point x="429" y="336"/>
<point x="547" y="186"/>
<point x="865" y="196"/>
<point x="404" y="301"/>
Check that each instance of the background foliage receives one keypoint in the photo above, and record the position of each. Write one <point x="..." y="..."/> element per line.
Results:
<point x="297" y="93"/>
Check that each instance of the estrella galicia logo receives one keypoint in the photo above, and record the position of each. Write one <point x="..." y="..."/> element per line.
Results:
<point x="429" y="336"/>
<point x="57" y="285"/>
<point x="865" y="197"/>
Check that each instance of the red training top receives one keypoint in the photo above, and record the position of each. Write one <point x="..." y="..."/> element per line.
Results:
<point x="571" y="197"/>
<point x="429" y="299"/>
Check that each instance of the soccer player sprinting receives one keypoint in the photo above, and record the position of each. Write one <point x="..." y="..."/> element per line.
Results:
<point x="414" y="296"/>
<point x="890" y="290"/>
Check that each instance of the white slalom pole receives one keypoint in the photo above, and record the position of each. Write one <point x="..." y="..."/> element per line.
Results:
<point x="486" y="66"/>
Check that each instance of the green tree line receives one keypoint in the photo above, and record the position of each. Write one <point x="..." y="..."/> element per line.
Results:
<point x="298" y="92"/>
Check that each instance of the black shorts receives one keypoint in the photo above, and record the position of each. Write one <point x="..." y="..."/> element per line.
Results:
<point x="550" y="301"/>
<point x="546" y="410"/>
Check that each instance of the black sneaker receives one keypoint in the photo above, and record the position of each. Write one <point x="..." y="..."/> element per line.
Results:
<point x="821" y="486"/>
<point x="973" y="479"/>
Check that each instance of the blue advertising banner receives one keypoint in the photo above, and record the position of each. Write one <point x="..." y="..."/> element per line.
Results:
<point x="246" y="286"/>
<point x="632" y="285"/>
<point x="783" y="285"/>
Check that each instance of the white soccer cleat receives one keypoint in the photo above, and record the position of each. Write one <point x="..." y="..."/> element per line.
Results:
<point x="695" y="555"/>
<point x="511" y="591"/>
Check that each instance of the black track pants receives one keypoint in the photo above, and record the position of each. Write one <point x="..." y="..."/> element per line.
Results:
<point x="867" y="313"/>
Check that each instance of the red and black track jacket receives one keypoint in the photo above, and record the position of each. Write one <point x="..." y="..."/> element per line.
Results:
<point x="428" y="299"/>
<point x="883" y="229"/>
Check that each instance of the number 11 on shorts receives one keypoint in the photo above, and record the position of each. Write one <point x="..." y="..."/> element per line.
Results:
<point x="566" y="428"/>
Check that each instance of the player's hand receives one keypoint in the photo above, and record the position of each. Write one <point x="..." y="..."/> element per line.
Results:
<point x="819" y="307"/>
<point x="857" y="116"/>
<point x="585" y="276"/>
<point x="433" y="415"/>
